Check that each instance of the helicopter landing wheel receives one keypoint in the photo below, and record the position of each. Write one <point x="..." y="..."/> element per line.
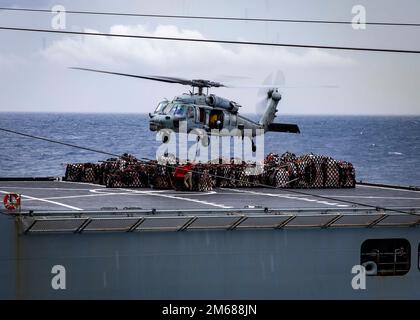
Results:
<point x="166" y="135"/>
<point x="205" y="141"/>
<point x="254" y="147"/>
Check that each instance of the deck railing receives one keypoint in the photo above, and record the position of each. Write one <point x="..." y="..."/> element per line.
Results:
<point x="221" y="219"/>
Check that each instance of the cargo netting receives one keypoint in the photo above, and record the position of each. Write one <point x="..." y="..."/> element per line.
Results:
<point x="279" y="171"/>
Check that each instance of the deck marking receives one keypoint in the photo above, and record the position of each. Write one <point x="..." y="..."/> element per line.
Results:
<point x="84" y="183"/>
<point x="198" y="193"/>
<point x="132" y="192"/>
<point x="49" y="201"/>
<point x="387" y="188"/>
<point x="374" y="197"/>
<point x="152" y="193"/>
<point x="52" y="188"/>
<point x="325" y="202"/>
<point x="79" y="196"/>
<point x="289" y="197"/>
<point x="337" y="196"/>
<point x="99" y="194"/>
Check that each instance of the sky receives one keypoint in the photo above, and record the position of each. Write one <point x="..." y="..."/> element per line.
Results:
<point x="34" y="74"/>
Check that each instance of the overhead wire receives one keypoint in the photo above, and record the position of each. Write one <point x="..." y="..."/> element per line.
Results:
<point x="253" y="43"/>
<point x="59" y="142"/>
<point x="223" y="18"/>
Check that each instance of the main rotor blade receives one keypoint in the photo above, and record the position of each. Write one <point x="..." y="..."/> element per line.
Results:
<point x="194" y="83"/>
<point x="201" y="83"/>
<point x="154" y="78"/>
<point x="270" y="86"/>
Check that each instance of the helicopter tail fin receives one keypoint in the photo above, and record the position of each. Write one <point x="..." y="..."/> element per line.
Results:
<point x="283" y="127"/>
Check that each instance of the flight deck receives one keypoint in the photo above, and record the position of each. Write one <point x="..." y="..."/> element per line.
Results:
<point x="61" y="195"/>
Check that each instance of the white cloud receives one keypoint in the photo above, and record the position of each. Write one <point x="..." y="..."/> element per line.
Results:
<point x="176" y="55"/>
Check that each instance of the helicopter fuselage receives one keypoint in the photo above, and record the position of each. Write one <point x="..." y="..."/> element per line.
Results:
<point x="213" y="114"/>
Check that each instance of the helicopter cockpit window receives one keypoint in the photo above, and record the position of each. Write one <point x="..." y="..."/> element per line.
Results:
<point x="161" y="107"/>
<point x="167" y="108"/>
<point x="179" y="110"/>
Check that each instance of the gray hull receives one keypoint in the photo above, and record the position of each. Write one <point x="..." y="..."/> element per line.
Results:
<point x="269" y="264"/>
<point x="298" y="263"/>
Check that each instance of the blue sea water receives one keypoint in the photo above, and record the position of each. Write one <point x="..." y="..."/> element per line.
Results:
<point x="383" y="149"/>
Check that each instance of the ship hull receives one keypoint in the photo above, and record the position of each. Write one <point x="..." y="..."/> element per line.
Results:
<point x="251" y="263"/>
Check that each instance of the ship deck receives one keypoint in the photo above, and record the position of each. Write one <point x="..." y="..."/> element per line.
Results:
<point x="60" y="195"/>
<point x="58" y="206"/>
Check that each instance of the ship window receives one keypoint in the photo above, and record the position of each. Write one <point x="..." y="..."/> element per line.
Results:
<point x="419" y="256"/>
<point x="385" y="257"/>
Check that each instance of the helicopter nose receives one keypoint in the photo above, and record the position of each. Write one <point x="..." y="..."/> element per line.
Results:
<point x="154" y="123"/>
<point x="158" y="122"/>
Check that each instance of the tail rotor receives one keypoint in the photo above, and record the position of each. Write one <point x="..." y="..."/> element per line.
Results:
<point x="270" y="84"/>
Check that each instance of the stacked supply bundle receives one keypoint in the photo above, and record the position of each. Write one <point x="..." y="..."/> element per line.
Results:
<point x="83" y="172"/>
<point x="202" y="181"/>
<point x="226" y="175"/>
<point x="308" y="171"/>
<point x="159" y="175"/>
<point x="279" y="171"/>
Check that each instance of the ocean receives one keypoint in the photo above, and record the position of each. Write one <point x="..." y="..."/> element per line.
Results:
<point x="383" y="149"/>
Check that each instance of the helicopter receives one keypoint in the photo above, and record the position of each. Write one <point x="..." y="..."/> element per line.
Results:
<point x="210" y="113"/>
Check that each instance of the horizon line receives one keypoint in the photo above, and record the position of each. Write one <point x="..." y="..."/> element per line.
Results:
<point x="245" y="113"/>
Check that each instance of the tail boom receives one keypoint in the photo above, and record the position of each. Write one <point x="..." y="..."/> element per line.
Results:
<point x="269" y="114"/>
<point x="267" y="118"/>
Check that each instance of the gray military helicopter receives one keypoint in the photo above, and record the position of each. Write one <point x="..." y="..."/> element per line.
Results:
<point x="209" y="113"/>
